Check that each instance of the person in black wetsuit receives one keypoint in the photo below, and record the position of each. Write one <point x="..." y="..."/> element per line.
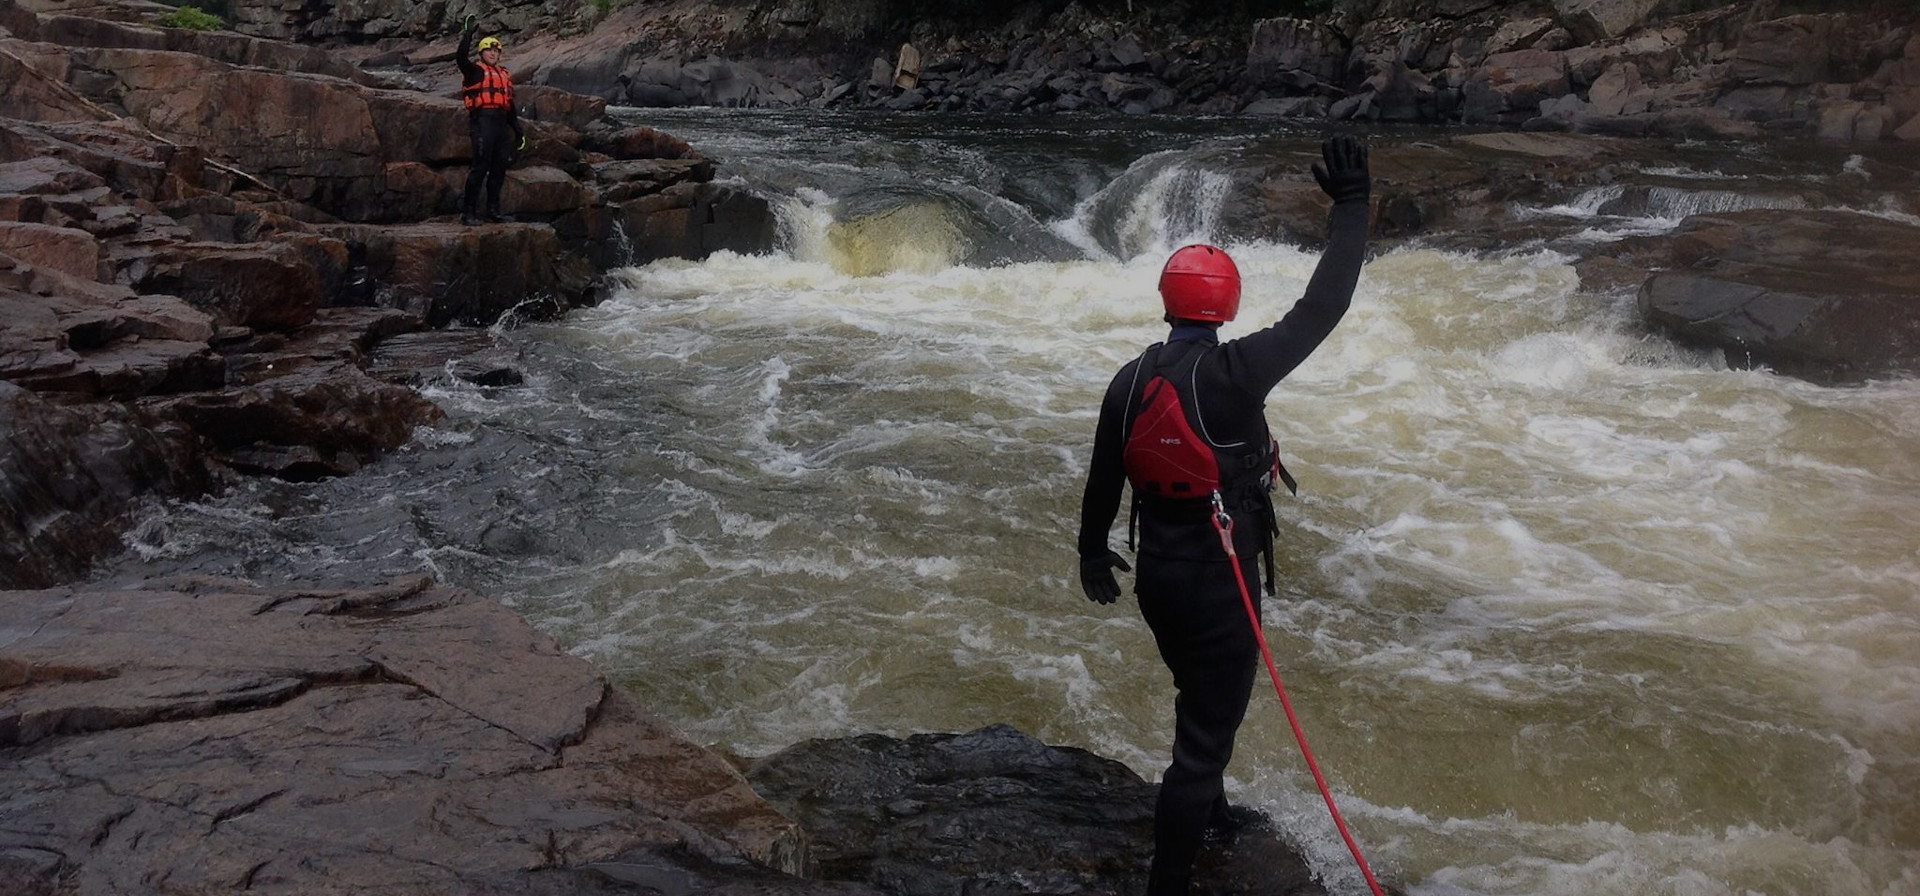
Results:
<point x="487" y="89"/>
<point x="1187" y="590"/>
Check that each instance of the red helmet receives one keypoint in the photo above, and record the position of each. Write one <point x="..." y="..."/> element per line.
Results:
<point x="1200" y="283"/>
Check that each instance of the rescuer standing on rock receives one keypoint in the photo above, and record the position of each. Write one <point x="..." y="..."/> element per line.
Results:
<point x="487" y="89"/>
<point x="1186" y="424"/>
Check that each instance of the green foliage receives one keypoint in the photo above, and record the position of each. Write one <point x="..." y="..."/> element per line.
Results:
<point x="192" y="19"/>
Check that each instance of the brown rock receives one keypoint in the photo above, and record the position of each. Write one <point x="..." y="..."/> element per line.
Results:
<point x="67" y="250"/>
<point x="409" y="739"/>
<point x="272" y="286"/>
<point x="340" y="418"/>
<point x="542" y="190"/>
<point x="445" y="273"/>
<point x="1619" y="91"/>
<point x="1511" y="86"/>
<point x="44" y="175"/>
<point x="639" y="143"/>
<point x="91" y="30"/>
<point x="68" y="478"/>
<point x="68" y="334"/>
<point x="32" y="95"/>
<point x="1597" y="20"/>
<point x="1910" y="131"/>
<point x="415" y="191"/>
<point x="551" y="104"/>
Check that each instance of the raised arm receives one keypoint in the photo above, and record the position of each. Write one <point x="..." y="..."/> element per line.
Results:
<point x="1262" y="359"/>
<point x="469" y="70"/>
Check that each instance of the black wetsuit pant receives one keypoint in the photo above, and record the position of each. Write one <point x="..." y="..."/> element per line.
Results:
<point x="493" y="142"/>
<point x="1199" y="622"/>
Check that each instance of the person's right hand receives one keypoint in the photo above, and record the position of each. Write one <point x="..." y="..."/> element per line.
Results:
<point x="466" y="24"/>
<point x="1096" y="577"/>
<point x="1342" y="171"/>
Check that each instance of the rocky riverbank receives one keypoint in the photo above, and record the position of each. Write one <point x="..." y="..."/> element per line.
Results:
<point x="229" y="254"/>
<point x="195" y="736"/>
<point x="204" y="237"/>
<point x="1841" y="71"/>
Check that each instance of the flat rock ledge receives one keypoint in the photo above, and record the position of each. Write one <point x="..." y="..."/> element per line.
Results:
<point x="201" y="736"/>
<point x="198" y="735"/>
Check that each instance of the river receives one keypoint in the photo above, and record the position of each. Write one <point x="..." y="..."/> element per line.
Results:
<point x="1566" y="610"/>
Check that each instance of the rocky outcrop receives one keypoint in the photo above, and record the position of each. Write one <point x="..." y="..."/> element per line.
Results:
<point x="995" y="810"/>
<point x="214" y="231"/>
<point x="1832" y="297"/>
<point x="209" y="736"/>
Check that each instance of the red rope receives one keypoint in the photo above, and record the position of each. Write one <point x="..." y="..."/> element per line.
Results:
<point x="1223" y="524"/>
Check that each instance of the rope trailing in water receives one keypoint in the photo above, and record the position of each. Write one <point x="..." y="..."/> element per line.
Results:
<point x="1223" y="524"/>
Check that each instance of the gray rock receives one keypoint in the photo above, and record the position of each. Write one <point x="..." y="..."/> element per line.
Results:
<point x="994" y="811"/>
<point x="1597" y="20"/>
<point x="408" y="739"/>
<point x="1832" y="297"/>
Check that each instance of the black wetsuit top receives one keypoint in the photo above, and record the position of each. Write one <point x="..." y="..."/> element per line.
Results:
<point x="1233" y="380"/>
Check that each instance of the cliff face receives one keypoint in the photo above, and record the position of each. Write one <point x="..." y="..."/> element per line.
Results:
<point x="1840" y="71"/>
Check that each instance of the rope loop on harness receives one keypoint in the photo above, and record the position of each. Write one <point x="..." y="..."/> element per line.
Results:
<point x="1223" y="523"/>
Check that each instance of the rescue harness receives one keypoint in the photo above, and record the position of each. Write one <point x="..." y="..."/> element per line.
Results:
<point x="1176" y="468"/>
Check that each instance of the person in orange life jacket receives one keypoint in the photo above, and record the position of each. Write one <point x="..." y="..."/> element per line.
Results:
<point x="1186" y="587"/>
<point x="487" y="90"/>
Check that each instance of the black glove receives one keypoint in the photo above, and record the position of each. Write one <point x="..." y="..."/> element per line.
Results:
<point x="466" y="24"/>
<point x="1343" y="173"/>
<point x="1096" y="577"/>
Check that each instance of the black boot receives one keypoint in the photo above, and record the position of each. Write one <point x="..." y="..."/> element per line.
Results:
<point x="493" y="213"/>
<point x="467" y="217"/>
<point x="1229" y="822"/>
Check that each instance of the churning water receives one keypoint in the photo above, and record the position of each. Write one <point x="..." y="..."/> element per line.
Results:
<point x="1566" y="610"/>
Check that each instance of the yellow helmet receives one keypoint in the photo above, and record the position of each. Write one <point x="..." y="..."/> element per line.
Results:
<point x="489" y="43"/>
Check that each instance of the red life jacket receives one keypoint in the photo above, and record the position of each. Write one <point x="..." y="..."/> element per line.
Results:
<point x="494" y="90"/>
<point x="1165" y="457"/>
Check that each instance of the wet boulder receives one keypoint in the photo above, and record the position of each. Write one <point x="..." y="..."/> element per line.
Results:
<point x="446" y="273"/>
<point x="994" y="810"/>
<point x="1830" y="296"/>
<point x="69" y="477"/>
<point x="315" y="422"/>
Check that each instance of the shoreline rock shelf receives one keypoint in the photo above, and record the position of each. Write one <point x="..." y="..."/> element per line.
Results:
<point x="205" y="735"/>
